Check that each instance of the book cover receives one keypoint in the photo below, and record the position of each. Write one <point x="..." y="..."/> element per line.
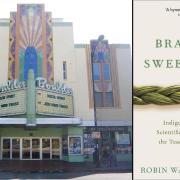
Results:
<point x="156" y="89"/>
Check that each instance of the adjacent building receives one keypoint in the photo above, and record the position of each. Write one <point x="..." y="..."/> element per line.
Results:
<point x="56" y="97"/>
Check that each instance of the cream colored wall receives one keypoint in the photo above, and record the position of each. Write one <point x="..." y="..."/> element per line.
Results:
<point x="4" y="47"/>
<point x="82" y="84"/>
<point x="63" y="49"/>
<point x="124" y="65"/>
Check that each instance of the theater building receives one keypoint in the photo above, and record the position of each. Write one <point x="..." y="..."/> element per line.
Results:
<point x="56" y="96"/>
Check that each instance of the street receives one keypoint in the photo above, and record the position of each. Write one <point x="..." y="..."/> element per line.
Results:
<point x="74" y="176"/>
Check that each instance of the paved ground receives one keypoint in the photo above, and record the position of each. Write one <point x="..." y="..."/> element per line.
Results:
<point x="74" y="176"/>
<point x="18" y="166"/>
<point x="64" y="170"/>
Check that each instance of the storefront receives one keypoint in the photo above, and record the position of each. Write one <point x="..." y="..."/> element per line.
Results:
<point x="112" y="139"/>
<point x="63" y="142"/>
<point x="37" y="121"/>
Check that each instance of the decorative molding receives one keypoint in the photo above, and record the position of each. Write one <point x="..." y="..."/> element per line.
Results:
<point x="114" y="74"/>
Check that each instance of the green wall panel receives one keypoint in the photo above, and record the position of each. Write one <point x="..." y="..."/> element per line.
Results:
<point x="76" y="158"/>
<point x="20" y="132"/>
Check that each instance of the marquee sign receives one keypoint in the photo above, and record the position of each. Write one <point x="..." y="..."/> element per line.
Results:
<point x="53" y="103"/>
<point x="13" y="102"/>
<point x="51" y="99"/>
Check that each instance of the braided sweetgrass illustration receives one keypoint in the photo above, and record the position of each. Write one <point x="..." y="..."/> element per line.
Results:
<point x="156" y="95"/>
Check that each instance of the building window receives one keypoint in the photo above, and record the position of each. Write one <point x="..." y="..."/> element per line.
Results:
<point x="106" y="71"/>
<point x="103" y="79"/>
<point x="109" y="99"/>
<point x="99" y="99"/>
<point x="96" y="71"/>
<point x="64" y="70"/>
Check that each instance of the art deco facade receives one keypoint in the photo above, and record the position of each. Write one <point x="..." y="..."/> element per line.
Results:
<point x="50" y="104"/>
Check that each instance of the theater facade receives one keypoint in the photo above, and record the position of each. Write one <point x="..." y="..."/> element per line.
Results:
<point x="59" y="99"/>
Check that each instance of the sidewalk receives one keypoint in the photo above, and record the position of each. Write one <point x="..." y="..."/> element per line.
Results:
<point x="60" y="167"/>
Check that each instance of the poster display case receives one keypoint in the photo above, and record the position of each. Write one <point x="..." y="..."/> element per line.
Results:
<point x="75" y="145"/>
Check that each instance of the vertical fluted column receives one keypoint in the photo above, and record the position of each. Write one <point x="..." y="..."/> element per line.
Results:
<point x="31" y="99"/>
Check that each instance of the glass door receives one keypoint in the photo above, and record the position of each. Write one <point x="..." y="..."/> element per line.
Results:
<point x="26" y="148"/>
<point x="55" y="148"/>
<point x="16" y="148"/>
<point x="31" y="148"/>
<point x="46" y="148"/>
<point x="36" y="148"/>
<point x="6" y="149"/>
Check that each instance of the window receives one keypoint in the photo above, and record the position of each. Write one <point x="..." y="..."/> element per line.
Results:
<point x="106" y="71"/>
<point x="99" y="99"/>
<point x="102" y="77"/>
<point x="96" y="71"/>
<point x="109" y="99"/>
<point x="101" y="56"/>
<point x="64" y="70"/>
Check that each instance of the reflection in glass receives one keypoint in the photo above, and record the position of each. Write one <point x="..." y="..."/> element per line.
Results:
<point x="96" y="72"/>
<point x="46" y="148"/>
<point x="74" y="145"/>
<point x="16" y="148"/>
<point x="106" y="70"/>
<point x="109" y="99"/>
<point x="26" y="148"/>
<point x="98" y="99"/>
<point x="55" y="149"/>
<point x="35" y="148"/>
<point x="6" y="149"/>
<point x="6" y="143"/>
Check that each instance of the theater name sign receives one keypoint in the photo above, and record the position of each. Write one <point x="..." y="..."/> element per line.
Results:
<point x="51" y="99"/>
